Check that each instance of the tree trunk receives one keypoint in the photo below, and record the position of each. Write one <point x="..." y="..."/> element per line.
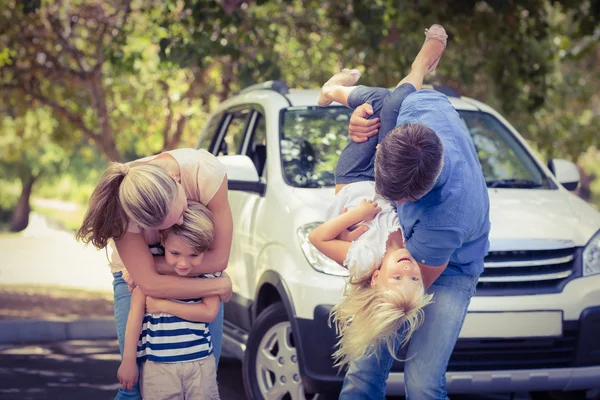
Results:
<point x="20" y="218"/>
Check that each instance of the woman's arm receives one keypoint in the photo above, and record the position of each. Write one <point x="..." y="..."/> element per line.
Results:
<point x="325" y="236"/>
<point x="217" y="257"/>
<point x="128" y="371"/>
<point x="206" y="311"/>
<point x="139" y="263"/>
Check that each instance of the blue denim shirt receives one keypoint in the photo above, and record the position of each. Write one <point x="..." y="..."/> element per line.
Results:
<point x="450" y="223"/>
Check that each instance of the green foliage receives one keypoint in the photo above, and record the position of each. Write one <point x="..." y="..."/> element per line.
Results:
<point x="122" y="79"/>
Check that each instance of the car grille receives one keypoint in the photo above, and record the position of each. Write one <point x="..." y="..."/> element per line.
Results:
<point x="528" y="271"/>
<point x="503" y="354"/>
<point x="511" y="354"/>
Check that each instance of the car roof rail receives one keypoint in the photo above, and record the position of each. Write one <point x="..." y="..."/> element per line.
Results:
<point x="448" y="91"/>
<point x="278" y="86"/>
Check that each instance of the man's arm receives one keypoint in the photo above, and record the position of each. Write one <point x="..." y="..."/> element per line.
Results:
<point x="432" y="248"/>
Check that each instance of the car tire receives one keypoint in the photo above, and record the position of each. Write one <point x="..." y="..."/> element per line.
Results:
<point x="558" y="395"/>
<point x="270" y="369"/>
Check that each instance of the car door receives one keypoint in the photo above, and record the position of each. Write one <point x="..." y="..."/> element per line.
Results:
<point x="239" y="131"/>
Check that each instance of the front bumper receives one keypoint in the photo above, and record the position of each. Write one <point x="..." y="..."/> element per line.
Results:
<point x="511" y="381"/>
<point x="568" y="362"/>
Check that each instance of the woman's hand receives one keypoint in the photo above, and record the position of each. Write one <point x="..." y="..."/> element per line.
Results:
<point x="127" y="374"/>
<point x="361" y="128"/>
<point x="154" y="305"/>
<point x="367" y="209"/>
<point x="128" y="280"/>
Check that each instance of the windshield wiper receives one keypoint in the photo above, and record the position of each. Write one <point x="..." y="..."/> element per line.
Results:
<point x="513" y="183"/>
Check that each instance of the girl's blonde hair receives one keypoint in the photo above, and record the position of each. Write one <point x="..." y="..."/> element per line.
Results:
<point x="197" y="230"/>
<point x="370" y="314"/>
<point x="142" y="193"/>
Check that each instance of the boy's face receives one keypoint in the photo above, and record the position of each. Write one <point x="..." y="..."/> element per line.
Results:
<point x="399" y="270"/>
<point x="181" y="256"/>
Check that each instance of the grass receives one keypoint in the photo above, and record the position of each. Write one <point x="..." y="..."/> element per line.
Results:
<point x="35" y="301"/>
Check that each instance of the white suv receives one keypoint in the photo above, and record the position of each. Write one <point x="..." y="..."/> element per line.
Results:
<point x="534" y="323"/>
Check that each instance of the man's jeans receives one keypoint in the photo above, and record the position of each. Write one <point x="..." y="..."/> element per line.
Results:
<point x="428" y="351"/>
<point x="122" y="302"/>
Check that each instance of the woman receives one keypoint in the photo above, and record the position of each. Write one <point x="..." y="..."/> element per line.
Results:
<point x="129" y="206"/>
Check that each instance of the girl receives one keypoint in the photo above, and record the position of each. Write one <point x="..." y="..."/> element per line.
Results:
<point x="132" y="202"/>
<point x="385" y="290"/>
<point x="175" y="340"/>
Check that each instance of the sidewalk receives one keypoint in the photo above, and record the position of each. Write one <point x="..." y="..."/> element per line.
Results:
<point x="52" y="287"/>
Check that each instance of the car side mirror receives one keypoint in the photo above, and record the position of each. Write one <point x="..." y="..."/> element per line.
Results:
<point x="565" y="172"/>
<point x="242" y="174"/>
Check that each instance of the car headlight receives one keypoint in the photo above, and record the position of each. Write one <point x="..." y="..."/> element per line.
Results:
<point x="315" y="258"/>
<point x="591" y="256"/>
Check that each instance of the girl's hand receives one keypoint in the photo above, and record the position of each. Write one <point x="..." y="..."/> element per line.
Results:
<point x="368" y="209"/>
<point x="127" y="374"/>
<point x="154" y="305"/>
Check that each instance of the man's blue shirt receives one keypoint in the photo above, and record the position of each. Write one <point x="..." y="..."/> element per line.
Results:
<point x="451" y="223"/>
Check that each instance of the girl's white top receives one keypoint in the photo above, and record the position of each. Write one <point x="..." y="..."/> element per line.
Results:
<point x="366" y="252"/>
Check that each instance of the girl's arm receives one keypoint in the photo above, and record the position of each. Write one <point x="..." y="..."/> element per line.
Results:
<point x="139" y="263"/>
<point x="324" y="237"/>
<point x="217" y="257"/>
<point x="206" y="311"/>
<point x="128" y="371"/>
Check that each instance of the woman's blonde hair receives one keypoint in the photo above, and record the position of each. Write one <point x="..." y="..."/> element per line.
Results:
<point x="197" y="230"/>
<point x="142" y="193"/>
<point x="368" y="315"/>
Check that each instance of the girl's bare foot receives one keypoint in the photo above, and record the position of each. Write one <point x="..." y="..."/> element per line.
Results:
<point x="347" y="77"/>
<point x="433" y="48"/>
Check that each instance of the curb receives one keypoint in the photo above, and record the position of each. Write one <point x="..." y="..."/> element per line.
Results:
<point x="49" y="330"/>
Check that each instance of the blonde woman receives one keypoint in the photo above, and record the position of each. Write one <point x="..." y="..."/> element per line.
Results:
<point x="129" y="206"/>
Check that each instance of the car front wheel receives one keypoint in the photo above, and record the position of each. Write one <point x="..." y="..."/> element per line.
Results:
<point x="270" y="368"/>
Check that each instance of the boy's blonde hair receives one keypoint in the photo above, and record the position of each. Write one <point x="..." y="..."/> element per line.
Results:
<point x="142" y="193"/>
<point x="197" y="230"/>
<point x="370" y="314"/>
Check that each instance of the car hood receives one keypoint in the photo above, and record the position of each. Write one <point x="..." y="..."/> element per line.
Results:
<point x="547" y="215"/>
<point x="519" y="217"/>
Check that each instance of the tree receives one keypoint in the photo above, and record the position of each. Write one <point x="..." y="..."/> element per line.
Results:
<point x="28" y="150"/>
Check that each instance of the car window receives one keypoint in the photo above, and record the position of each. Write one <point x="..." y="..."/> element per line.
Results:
<point x="234" y="135"/>
<point x="504" y="161"/>
<point x="311" y="141"/>
<point x="257" y="144"/>
<point x="207" y="137"/>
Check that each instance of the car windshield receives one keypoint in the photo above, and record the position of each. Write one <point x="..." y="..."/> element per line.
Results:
<point x="312" y="139"/>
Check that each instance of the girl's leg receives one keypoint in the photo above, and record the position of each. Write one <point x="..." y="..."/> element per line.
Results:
<point x="333" y="89"/>
<point x="424" y="63"/>
<point x="122" y="302"/>
<point x="356" y="161"/>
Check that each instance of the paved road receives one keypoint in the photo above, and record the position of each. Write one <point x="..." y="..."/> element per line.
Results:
<point x="76" y="370"/>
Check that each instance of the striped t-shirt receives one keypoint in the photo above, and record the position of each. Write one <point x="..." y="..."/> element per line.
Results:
<point x="166" y="338"/>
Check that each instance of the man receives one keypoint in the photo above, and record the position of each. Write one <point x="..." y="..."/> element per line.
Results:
<point x="428" y="166"/>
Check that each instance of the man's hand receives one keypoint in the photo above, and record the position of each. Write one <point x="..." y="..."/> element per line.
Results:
<point x="127" y="374"/>
<point x="361" y="128"/>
